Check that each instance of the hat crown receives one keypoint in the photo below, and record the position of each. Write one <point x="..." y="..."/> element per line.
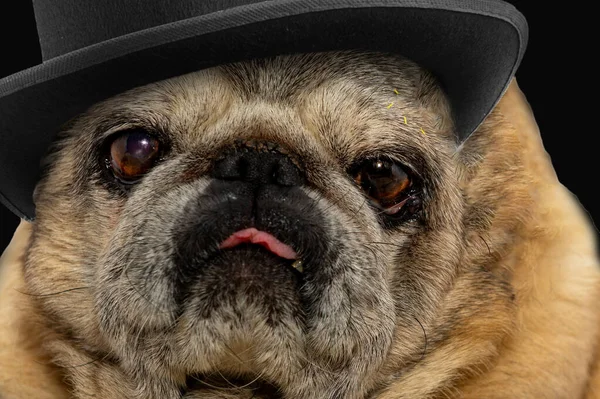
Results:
<point x="67" y="25"/>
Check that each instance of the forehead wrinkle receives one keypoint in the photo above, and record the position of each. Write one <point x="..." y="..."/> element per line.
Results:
<point x="342" y="113"/>
<point x="194" y="102"/>
<point x="278" y="79"/>
<point x="284" y="78"/>
<point x="355" y="87"/>
<point x="259" y="119"/>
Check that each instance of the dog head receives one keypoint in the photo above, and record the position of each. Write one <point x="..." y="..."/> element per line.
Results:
<point x="304" y="226"/>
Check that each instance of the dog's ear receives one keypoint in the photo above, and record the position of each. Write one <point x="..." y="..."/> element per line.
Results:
<point x="525" y="228"/>
<point x="499" y="168"/>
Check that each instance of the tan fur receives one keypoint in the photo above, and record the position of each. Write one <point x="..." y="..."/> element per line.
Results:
<point x="512" y="298"/>
<point x="554" y="265"/>
<point x="25" y="370"/>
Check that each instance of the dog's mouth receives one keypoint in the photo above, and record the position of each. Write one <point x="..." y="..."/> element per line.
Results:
<point x="253" y="236"/>
<point x="242" y="385"/>
<point x="254" y="279"/>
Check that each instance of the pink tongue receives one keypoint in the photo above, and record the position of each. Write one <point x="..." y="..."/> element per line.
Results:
<point x="255" y="236"/>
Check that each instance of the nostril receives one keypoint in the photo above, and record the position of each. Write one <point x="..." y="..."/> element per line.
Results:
<point x="232" y="167"/>
<point x="287" y="174"/>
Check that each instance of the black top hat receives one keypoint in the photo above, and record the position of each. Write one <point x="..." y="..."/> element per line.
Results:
<point x="95" y="49"/>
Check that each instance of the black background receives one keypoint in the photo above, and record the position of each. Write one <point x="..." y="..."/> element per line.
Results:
<point x="556" y="76"/>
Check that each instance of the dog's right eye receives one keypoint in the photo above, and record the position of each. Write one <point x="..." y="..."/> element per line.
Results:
<point x="131" y="154"/>
<point x="390" y="187"/>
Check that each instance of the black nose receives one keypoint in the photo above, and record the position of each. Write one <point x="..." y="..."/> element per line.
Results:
<point x="257" y="166"/>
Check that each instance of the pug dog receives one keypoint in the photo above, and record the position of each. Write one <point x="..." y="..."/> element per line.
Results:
<point x="300" y="227"/>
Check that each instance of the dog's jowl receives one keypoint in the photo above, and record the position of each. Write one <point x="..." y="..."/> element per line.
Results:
<point x="300" y="227"/>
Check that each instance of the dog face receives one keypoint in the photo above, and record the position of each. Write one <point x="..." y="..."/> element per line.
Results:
<point x="301" y="227"/>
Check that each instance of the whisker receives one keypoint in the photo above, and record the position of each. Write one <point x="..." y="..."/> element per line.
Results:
<point x="425" y="335"/>
<point x="236" y="355"/>
<point x="53" y="293"/>
<point x="486" y="244"/>
<point x="233" y="386"/>
<point x="98" y="359"/>
<point x="386" y="243"/>
<point x="155" y="305"/>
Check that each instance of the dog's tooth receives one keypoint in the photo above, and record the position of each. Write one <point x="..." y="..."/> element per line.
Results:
<point x="298" y="265"/>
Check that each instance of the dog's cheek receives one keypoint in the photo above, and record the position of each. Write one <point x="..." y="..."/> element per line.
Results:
<point x="60" y="272"/>
<point x="477" y="317"/>
<point x="135" y="275"/>
<point x="350" y="319"/>
<point x="353" y="316"/>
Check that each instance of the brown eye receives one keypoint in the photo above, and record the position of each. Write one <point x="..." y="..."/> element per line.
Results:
<point x="386" y="183"/>
<point x="132" y="154"/>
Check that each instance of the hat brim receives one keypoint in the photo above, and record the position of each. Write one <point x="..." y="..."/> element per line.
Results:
<point x="474" y="47"/>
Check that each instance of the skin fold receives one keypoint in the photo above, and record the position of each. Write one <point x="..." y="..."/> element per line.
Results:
<point x="491" y="290"/>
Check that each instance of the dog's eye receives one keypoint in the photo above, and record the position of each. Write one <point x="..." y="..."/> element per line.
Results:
<point x="383" y="181"/>
<point x="388" y="185"/>
<point x="132" y="154"/>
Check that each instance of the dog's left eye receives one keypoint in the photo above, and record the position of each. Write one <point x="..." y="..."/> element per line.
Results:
<point x="388" y="185"/>
<point x="132" y="154"/>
